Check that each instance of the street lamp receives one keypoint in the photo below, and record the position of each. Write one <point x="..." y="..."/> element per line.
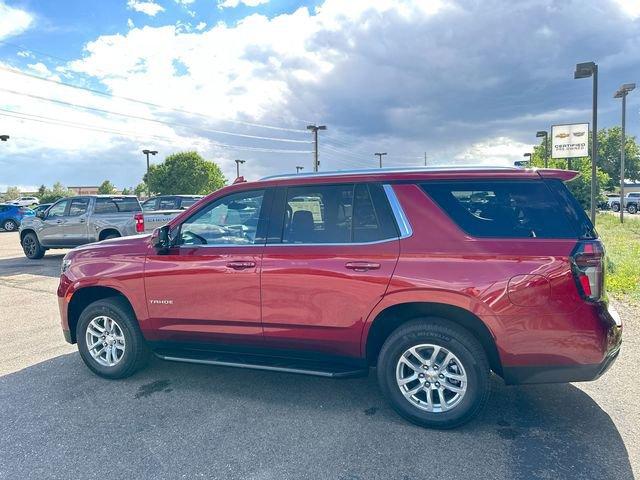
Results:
<point x="622" y="93"/>
<point x="238" y="162"/>
<point x="314" y="129"/>
<point x="147" y="153"/>
<point x="585" y="70"/>
<point x="298" y="168"/>
<point x="4" y="138"/>
<point x="543" y="133"/>
<point x="530" y="155"/>
<point x="380" y="155"/>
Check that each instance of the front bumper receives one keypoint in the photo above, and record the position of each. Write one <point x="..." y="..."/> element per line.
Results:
<point x="573" y="373"/>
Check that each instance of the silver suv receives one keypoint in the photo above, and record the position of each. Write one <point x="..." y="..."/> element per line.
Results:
<point x="78" y="220"/>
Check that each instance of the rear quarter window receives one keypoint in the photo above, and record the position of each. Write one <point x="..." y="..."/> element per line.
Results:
<point x="117" y="205"/>
<point x="503" y="209"/>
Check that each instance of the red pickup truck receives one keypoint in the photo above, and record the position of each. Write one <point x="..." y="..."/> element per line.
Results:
<point x="436" y="277"/>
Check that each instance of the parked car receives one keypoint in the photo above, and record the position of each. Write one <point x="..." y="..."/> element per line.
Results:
<point x="631" y="202"/>
<point x="41" y="208"/>
<point x="11" y="216"/>
<point x="25" y="201"/>
<point x="436" y="277"/>
<point x="78" y="220"/>
<point x="159" y="210"/>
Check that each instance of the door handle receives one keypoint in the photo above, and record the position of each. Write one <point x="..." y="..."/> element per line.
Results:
<point x="82" y="220"/>
<point x="362" y="266"/>
<point x="241" y="264"/>
<point x="60" y="221"/>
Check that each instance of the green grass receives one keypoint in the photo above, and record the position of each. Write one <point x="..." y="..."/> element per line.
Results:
<point x="622" y="243"/>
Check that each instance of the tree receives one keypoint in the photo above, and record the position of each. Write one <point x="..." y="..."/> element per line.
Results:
<point x="140" y="189"/>
<point x="127" y="191"/>
<point x="56" y="193"/>
<point x="106" y="188"/>
<point x="12" y="193"/>
<point x="41" y="191"/>
<point x="609" y="146"/>
<point x="184" y="173"/>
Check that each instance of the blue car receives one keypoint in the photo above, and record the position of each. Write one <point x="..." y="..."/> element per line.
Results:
<point x="12" y="215"/>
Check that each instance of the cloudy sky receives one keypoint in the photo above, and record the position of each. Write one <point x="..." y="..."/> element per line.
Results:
<point x="86" y="85"/>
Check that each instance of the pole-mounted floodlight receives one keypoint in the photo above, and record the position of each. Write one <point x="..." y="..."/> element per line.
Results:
<point x="298" y="168"/>
<point x="530" y="155"/>
<point x="545" y="134"/>
<point x="585" y="70"/>
<point x="4" y="138"/>
<point x="238" y="162"/>
<point x="380" y="155"/>
<point x="314" y="129"/>
<point x="622" y="93"/>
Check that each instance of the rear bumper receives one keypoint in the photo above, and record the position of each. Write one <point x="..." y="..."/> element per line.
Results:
<point x="575" y="372"/>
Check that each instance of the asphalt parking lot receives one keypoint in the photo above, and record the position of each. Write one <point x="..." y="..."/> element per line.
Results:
<point x="58" y="420"/>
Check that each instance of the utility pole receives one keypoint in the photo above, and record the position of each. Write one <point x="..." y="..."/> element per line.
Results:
<point x="622" y="93"/>
<point x="147" y="152"/>
<point x="238" y="162"/>
<point x="298" y="168"/>
<point x="314" y="129"/>
<point x="380" y="155"/>
<point x="425" y="159"/>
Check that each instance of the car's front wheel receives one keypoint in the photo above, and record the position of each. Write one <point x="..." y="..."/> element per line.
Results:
<point x="434" y="373"/>
<point x="109" y="339"/>
<point x="615" y="207"/>
<point x="632" y="208"/>
<point x="31" y="246"/>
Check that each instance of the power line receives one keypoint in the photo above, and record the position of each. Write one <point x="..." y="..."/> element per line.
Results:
<point x="142" y="102"/>
<point x="148" y="119"/>
<point x="67" y="123"/>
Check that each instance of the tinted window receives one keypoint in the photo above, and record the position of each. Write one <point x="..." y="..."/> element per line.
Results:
<point x="78" y="207"/>
<point x="187" y="202"/>
<point x="372" y="217"/>
<point x="117" y="205"/>
<point x="572" y="209"/>
<point x="231" y="220"/>
<point x="150" y="205"/>
<point x="58" y="209"/>
<point x="167" y="204"/>
<point x="518" y="209"/>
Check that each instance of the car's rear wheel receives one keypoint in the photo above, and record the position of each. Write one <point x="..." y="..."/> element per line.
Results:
<point x="109" y="339"/>
<point x="632" y="208"/>
<point x="31" y="246"/>
<point x="434" y="373"/>
<point x="10" y="225"/>
<point x="615" y="207"/>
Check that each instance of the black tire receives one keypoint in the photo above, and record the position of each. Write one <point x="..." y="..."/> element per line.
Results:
<point x="455" y="339"/>
<point x="136" y="353"/>
<point x="110" y="236"/>
<point x="10" y="225"/>
<point x="615" y="207"/>
<point x="31" y="246"/>
<point x="633" y="208"/>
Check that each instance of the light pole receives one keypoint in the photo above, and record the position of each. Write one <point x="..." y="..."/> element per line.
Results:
<point x="530" y="155"/>
<point x="314" y="129"/>
<point x="543" y="133"/>
<point x="238" y="162"/>
<point x="147" y="152"/>
<point x="585" y="70"/>
<point x="380" y="155"/>
<point x="622" y="93"/>
<point x="298" y="168"/>
<point x="425" y="159"/>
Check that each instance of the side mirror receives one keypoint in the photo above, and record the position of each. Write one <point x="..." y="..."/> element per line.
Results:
<point x="160" y="238"/>
<point x="41" y="214"/>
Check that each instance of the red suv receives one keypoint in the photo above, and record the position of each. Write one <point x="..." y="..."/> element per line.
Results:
<point x="437" y="277"/>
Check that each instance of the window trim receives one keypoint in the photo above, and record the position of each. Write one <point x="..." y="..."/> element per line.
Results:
<point x="402" y="221"/>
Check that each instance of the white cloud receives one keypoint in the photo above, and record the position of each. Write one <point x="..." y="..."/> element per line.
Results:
<point x="235" y="3"/>
<point x="130" y="23"/>
<point x="630" y="7"/>
<point x="40" y="68"/>
<point x="13" y="21"/>
<point x="147" y="7"/>
<point x="495" y="151"/>
<point x="201" y="26"/>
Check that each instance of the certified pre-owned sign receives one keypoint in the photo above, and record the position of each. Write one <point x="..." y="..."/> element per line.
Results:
<point x="570" y="141"/>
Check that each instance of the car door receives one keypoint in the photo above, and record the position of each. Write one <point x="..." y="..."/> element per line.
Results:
<point x="330" y="254"/>
<point x="51" y="228"/>
<point x="207" y="287"/>
<point x="75" y="230"/>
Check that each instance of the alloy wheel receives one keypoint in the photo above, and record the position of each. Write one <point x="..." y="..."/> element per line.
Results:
<point x="9" y="226"/>
<point x="431" y="378"/>
<point x="105" y="341"/>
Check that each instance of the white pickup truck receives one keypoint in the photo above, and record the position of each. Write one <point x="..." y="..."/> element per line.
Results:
<point x="631" y="202"/>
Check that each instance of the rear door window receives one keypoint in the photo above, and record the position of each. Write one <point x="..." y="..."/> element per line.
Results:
<point x="78" y="206"/>
<point x="117" y="205"/>
<point x="503" y="209"/>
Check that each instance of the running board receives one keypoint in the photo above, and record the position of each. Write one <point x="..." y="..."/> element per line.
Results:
<point x="263" y="362"/>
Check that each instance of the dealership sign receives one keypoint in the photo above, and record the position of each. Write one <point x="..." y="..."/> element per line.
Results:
<point x="570" y="141"/>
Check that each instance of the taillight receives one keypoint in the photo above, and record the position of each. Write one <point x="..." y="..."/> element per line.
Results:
<point x="588" y="269"/>
<point x="139" y="218"/>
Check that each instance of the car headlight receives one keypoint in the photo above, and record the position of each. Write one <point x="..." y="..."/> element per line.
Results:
<point x="66" y="263"/>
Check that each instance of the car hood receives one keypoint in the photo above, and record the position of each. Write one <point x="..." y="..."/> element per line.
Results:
<point x="133" y="244"/>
